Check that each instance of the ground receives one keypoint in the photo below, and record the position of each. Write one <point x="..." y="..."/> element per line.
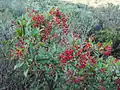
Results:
<point x="95" y="3"/>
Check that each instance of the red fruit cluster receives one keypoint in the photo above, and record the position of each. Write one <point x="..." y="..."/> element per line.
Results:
<point x="17" y="52"/>
<point x="102" y="70"/>
<point x="84" y="58"/>
<point x="69" y="73"/>
<point x="77" y="79"/>
<point x="20" y="44"/>
<point x="87" y="46"/>
<point x="117" y="81"/>
<point x="75" y="36"/>
<point x="115" y="61"/>
<point x="38" y="20"/>
<point x="57" y="19"/>
<point x="108" y="50"/>
<point x="19" y="47"/>
<point x="82" y="55"/>
<point x="63" y="41"/>
<point x="66" y="55"/>
<point x="56" y="12"/>
<point x="102" y="88"/>
<point x="60" y="19"/>
<point x="72" y="77"/>
<point x="46" y="32"/>
<point x="31" y="12"/>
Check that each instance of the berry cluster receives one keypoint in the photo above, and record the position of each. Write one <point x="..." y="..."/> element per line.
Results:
<point x="38" y="20"/>
<point x="66" y="55"/>
<point x="57" y="18"/>
<point x="82" y="55"/>
<point x="72" y="77"/>
<point x="108" y="50"/>
<point x="19" y="48"/>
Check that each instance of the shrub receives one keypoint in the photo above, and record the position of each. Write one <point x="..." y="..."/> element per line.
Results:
<point x="44" y="45"/>
<point x="109" y="15"/>
<point x="110" y="35"/>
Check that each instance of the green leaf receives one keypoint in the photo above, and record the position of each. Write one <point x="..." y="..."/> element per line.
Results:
<point x="19" y="32"/>
<point x="80" y="72"/>
<point x="31" y="51"/>
<point x="43" y="61"/>
<point x="23" y="22"/>
<point x="34" y="32"/>
<point x="29" y="22"/>
<point x="100" y="64"/>
<point x="70" y="38"/>
<point x="40" y="9"/>
<point x="41" y="53"/>
<point x="26" y="72"/>
<point x="41" y="44"/>
<point x="118" y="63"/>
<point x="56" y="76"/>
<point x="91" y="43"/>
<point x="18" y="65"/>
<point x="54" y="47"/>
<point x="30" y="60"/>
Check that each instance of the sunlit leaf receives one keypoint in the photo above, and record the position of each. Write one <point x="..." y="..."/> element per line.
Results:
<point x="18" y="65"/>
<point x="26" y="72"/>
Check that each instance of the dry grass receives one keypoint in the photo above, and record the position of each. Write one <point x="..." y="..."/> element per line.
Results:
<point x="95" y="3"/>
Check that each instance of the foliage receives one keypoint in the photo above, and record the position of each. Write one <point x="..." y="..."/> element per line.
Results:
<point x="113" y="36"/>
<point x="108" y="34"/>
<point x="109" y="15"/>
<point x="35" y="42"/>
<point x="82" y="19"/>
<point x="44" y="45"/>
